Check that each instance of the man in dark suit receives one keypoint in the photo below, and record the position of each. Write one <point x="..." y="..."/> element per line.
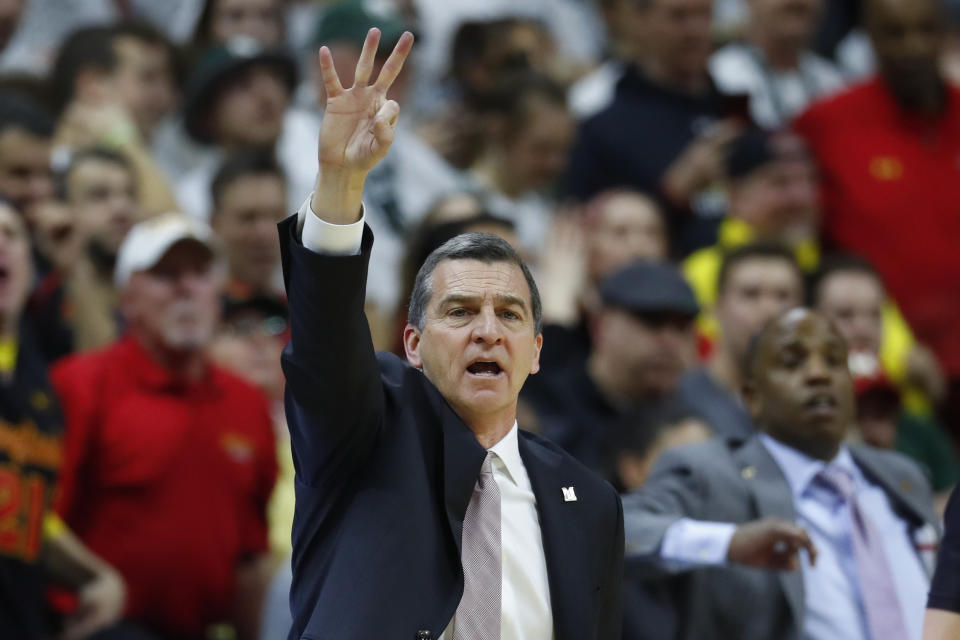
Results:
<point x="421" y="510"/>
<point x="733" y="516"/>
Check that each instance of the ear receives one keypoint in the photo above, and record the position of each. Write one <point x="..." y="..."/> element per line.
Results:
<point x="537" y="346"/>
<point x="751" y="398"/>
<point x="411" y="345"/>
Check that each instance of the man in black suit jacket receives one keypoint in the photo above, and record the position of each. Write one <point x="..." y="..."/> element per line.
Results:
<point x="388" y="455"/>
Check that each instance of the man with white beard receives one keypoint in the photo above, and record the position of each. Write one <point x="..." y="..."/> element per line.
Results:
<point x="168" y="460"/>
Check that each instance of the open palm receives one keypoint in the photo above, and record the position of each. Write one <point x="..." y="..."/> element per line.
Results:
<point x="358" y="123"/>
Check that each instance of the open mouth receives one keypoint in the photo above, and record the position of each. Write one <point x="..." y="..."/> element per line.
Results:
<point x="821" y="403"/>
<point x="486" y="368"/>
<point x="4" y="274"/>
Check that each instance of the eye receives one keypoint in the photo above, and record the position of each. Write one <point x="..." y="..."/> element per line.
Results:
<point x="459" y="312"/>
<point x="511" y="315"/>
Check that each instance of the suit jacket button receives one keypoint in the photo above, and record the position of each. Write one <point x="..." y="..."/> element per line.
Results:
<point x="424" y="634"/>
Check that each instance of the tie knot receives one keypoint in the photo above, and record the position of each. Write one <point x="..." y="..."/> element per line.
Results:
<point x="486" y="469"/>
<point x="839" y="480"/>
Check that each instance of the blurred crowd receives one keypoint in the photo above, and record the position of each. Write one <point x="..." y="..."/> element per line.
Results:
<point x="677" y="173"/>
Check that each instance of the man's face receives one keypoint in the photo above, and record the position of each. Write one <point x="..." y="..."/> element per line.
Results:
<point x="756" y="291"/>
<point x="249" y="110"/>
<point x="478" y="343"/>
<point x="651" y="351"/>
<point x="103" y="197"/>
<point x="176" y="304"/>
<point x="250" y="345"/>
<point x="257" y="19"/>
<point x="800" y="390"/>
<point x="907" y="38"/>
<point x="627" y="229"/>
<point x="791" y="20"/>
<point x="536" y="155"/>
<point x="25" y="174"/>
<point x="16" y="265"/>
<point x="679" y="32"/>
<point x="246" y="221"/>
<point x="144" y="82"/>
<point x="778" y="198"/>
<point x="853" y="301"/>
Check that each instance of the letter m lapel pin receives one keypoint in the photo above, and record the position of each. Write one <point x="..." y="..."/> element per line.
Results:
<point x="569" y="495"/>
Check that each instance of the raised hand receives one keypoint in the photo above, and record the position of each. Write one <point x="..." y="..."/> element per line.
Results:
<point x="357" y="129"/>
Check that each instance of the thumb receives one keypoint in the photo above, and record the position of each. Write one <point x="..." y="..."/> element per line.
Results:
<point x="385" y="121"/>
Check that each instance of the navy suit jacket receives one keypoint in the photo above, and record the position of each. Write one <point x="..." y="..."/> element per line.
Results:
<point x="385" y="470"/>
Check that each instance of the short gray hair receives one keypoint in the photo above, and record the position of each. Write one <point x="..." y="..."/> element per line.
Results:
<point x="486" y="248"/>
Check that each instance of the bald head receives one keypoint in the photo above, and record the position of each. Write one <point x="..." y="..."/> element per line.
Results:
<point x="906" y="36"/>
<point x="799" y="388"/>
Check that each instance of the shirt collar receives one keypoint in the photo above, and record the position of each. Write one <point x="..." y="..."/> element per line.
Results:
<point x="508" y="452"/>
<point x="141" y="366"/>
<point x="800" y="469"/>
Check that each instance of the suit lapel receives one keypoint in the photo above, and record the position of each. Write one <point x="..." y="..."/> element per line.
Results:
<point x="564" y="541"/>
<point x="462" y="458"/>
<point x="900" y="491"/>
<point x="773" y="498"/>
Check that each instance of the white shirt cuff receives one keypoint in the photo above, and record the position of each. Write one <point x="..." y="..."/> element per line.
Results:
<point x="694" y="542"/>
<point x="321" y="236"/>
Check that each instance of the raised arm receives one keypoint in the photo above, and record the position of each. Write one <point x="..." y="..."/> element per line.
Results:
<point x="334" y="397"/>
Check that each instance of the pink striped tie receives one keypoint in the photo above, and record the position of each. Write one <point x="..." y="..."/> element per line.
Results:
<point x="880" y="600"/>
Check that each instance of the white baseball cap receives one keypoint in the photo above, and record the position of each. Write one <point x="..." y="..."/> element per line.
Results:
<point x="148" y="241"/>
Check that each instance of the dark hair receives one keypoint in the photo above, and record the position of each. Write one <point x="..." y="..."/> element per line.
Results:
<point x="758" y="251"/>
<point x="643" y="425"/>
<point x="241" y="164"/>
<point x="98" y="154"/>
<point x="148" y="34"/>
<point x="201" y="34"/>
<point x="87" y="48"/>
<point x="839" y="263"/>
<point x="20" y="112"/>
<point x="93" y="48"/>
<point x="486" y="248"/>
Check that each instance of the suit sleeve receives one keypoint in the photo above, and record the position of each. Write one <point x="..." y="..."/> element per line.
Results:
<point x="673" y="492"/>
<point x="334" y="398"/>
<point x="611" y="614"/>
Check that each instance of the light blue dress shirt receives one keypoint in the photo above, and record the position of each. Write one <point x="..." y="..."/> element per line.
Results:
<point x="834" y="609"/>
<point x="833" y="604"/>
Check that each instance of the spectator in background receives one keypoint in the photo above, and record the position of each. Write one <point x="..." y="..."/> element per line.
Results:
<point x="642" y="345"/>
<point x="111" y="87"/>
<point x="237" y="97"/>
<point x="248" y="342"/>
<point x="36" y="550"/>
<point x="525" y="156"/>
<point x="850" y="292"/>
<point x="775" y="66"/>
<point x="190" y="463"/>
<point x="665" y="132"/>
<point x="820" y="538"/>
<point x="756" y="283"/>
<point x="26" y="133"/>
<point x="650" y="611"/>
<point x="10" y="13"/>
<point x="249" y="199"/>
<point x="626" y="33"/>
<point x="222" y="20"/>
<point x="888" y="156"/>
<point x="616" y="228"/>
<point x="78" y="299"/>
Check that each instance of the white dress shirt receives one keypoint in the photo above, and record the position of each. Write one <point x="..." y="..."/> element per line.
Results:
<point x="525" y="595"/>
<point x="833" y="609"/>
